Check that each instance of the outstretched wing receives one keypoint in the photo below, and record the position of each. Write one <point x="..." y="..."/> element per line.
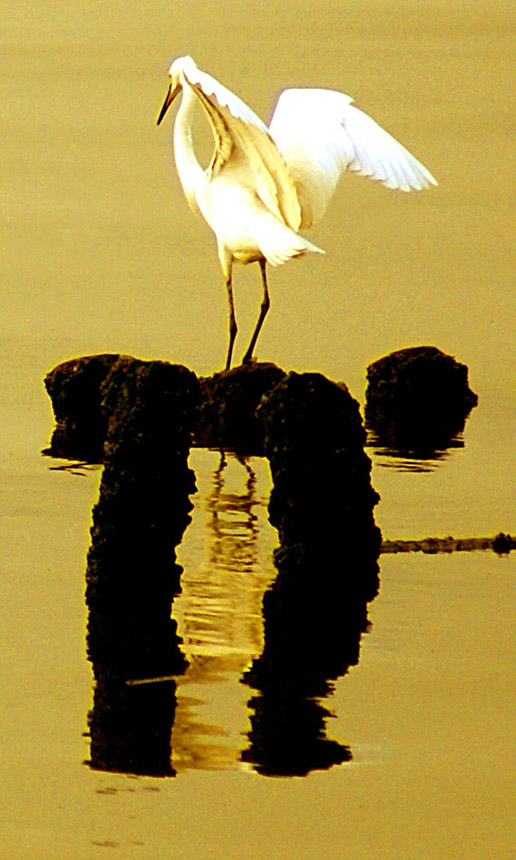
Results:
<point x="243" y="140"/>
<point x="321" y="135"/>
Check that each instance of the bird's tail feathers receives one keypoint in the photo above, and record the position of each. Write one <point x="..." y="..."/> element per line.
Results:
<point x="278" y="243"/>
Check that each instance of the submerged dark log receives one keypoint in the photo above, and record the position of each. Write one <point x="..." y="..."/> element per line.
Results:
<point x="501" y="544"/>
<point x="132" y="574"/>
<point x="417" y="399"/>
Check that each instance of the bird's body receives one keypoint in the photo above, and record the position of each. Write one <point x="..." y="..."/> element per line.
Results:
<point x="265" y="184"/>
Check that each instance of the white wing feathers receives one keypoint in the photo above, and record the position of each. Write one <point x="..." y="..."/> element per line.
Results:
<point x="239" y="133"/>
<point x="321" y="135"/>
<point x="314" y="137"/>
<point x="224" y="97"/>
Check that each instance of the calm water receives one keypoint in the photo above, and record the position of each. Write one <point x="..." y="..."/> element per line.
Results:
<point x="101" y="254"/>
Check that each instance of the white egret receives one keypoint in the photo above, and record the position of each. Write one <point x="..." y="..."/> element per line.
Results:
<point x="263" y="184"/>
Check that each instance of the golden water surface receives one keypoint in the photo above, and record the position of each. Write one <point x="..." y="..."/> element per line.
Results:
<point x="100" y="253"/>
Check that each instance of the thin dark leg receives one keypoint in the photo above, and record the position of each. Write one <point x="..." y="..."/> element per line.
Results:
<point x="263" y="313"/>
<point x="232" y="321"/>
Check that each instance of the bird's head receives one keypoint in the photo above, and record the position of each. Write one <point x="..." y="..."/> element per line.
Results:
<point x="176" y="75"/>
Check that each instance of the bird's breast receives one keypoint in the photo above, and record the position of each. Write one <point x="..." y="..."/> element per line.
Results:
<point x="232" y="211"/>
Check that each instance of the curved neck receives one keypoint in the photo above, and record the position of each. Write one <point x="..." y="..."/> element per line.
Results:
<point x="189" y="170"/>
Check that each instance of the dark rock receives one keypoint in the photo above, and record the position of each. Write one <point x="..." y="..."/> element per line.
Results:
<point x="322" y="504"/>
<point x="74" y="388"/>
<point x="227" y="417"/>
<point x="315" y="444"/>
<point x="150" y="412"/>
<point x="322" y="500"/>
<point x="417" y="399"/>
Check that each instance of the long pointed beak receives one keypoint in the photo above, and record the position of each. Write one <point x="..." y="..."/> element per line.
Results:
<point x="172" y="93"/>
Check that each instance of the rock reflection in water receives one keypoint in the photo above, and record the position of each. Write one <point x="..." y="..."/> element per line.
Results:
<point x="410" y="460"/>
<point x="132" y="575"/>
<point x="291" y="649"/>
<point x="313" y="624"/>
<point x="322" y="505"/>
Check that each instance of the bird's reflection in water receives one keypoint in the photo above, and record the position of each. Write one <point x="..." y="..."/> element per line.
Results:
<point x="227" y="559"/>
<point x="288" y="632"/>
<point x="233" y="524"/>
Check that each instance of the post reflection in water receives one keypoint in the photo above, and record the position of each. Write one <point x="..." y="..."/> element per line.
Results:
<point x="132" y="575"/>
<point x="313" y="622"/>
<point x="288" y="644"/>
<point x="134" y="648"/>
<point x="167" y="700"/>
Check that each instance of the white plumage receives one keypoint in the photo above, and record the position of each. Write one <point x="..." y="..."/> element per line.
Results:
<point x="265" y="184"/>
